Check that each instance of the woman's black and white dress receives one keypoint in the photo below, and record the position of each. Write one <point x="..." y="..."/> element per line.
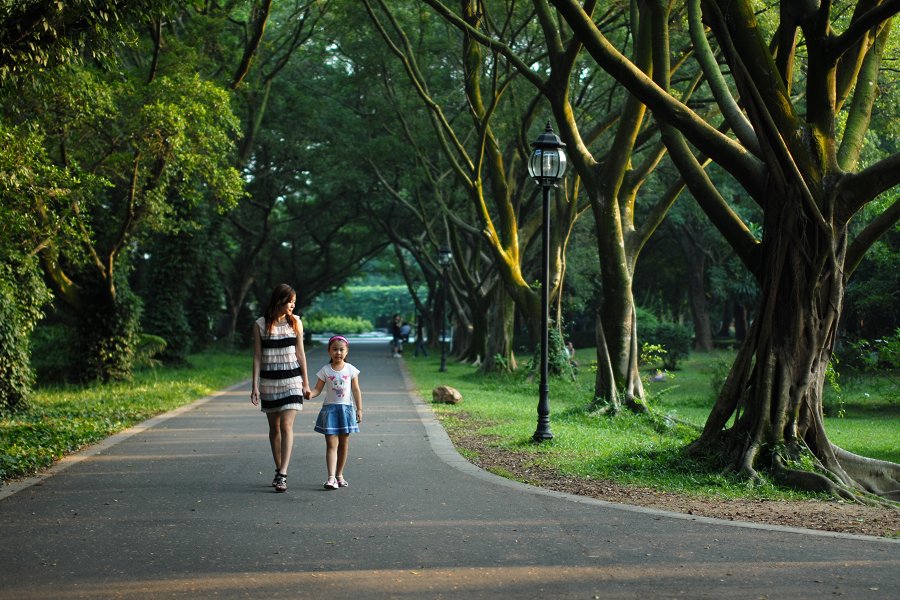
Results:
<point x="280" y="382"/>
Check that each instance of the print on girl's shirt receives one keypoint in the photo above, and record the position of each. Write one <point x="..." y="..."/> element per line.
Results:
<point x="337" y="384"/>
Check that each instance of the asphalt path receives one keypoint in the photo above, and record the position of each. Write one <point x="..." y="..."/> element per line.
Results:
<point x="182" y="507"/>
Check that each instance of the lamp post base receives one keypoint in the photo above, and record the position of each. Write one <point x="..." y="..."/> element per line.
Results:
<point x="541" y="436"/>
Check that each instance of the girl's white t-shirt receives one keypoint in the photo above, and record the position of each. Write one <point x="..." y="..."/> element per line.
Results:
<point x="337" y="383"/>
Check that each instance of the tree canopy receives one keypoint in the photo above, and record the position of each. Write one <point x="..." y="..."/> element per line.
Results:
<point x="165" y="164"/>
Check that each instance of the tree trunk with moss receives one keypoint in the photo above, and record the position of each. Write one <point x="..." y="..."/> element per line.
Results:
<point x="775" y="388"/>
<point x="804" y="174"/>
<point x="499" y="353"/>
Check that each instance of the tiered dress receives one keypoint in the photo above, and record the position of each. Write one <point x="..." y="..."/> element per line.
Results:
<point x="280" y="382"/>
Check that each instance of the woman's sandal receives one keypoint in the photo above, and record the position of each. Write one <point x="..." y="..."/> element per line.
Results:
<point x="280" y="483"/>
<point x="275" y="481"/>
<point x="342" y="482"/>
<point x="331" y="484"/>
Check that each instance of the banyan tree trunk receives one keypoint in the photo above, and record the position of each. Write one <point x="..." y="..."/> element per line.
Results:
<point x="618" y="382"/>
<point x="774" y="389"/>
<point x="499" y="355"/>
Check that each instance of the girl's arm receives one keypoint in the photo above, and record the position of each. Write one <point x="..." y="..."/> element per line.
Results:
<point x="318" y="390"/>
<point x="301" y="358"/>
<point x="357" y="397"/>
<point x="257" y="361"/>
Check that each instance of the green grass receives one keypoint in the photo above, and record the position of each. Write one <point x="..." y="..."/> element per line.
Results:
<point x="639" y="449"/>
<point x="62" y="419"/>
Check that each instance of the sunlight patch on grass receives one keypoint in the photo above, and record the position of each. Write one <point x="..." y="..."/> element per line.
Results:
<point x="62" y="419"/>
<point x="630" y="449"/>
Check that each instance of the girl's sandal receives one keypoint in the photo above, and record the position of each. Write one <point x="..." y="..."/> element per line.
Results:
<point x="331" y="484"/>
<point x="281" y="483"/>
<point x="342" y="482"/>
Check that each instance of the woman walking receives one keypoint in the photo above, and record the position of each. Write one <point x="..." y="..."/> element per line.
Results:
<point x="280" y="383"/>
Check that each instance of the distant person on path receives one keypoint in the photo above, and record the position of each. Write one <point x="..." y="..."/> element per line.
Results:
<point x="341" y="410"/>
<point x="279" y="375"/>
<point x="396" y="336"/>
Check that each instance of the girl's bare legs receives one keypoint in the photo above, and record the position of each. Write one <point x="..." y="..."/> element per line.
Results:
<point x="331" y="455"/>
<point x="343" y="449"/>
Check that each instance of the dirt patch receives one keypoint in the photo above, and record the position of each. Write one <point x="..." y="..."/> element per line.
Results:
<point x="810" y="514"/>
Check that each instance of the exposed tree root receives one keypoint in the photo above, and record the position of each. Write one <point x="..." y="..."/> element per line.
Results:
<point x="875" y="476"/>
<point x="810" y="481"/>
<point x="855" y="479"/>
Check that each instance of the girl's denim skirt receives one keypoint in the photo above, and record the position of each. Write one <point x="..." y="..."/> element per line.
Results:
<point x="337" y="418"/>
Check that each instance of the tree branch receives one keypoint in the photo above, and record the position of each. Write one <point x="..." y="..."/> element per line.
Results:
<point x="488" y="41"/>
<point x="716" y="81"/>
<point x="748" y="170"/>
<point x="861" y="108"/>
<point x="858" y="189"/>
<point x="868" y="236"/>
<point x="260" y="17"/>
<point x="861" y="25"/>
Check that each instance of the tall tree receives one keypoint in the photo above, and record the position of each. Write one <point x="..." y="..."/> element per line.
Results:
<point x="486" y="152"/>
<point x="128" y="146"/>
<point x="794" y="158"/>
<point x="152" y="145"/>
<point x="615" y="150"/>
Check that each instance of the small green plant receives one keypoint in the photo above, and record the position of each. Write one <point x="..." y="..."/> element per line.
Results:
<point x="146" y="350"/>
<point x="652" y="354"/>
<point x="501" y="363"/>
<point x="720" y="370"/>
<point x="832" y="378"/>
<point x="675" y="338"/>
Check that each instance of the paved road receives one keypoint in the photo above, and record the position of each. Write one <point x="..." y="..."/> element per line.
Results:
<point x="183" y="508"/>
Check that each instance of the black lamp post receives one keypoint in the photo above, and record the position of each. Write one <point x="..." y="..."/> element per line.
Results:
<point x="546" y="166"/>
<point x="445" y="257"/>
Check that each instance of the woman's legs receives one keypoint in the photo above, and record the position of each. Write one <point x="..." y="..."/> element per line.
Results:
<point x="281" y="438"/>
<point x="275" y="437"/>
<point x="287" y="438"/>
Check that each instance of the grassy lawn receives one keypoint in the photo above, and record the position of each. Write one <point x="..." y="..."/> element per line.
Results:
<point x="641" y="450"/>
<point x="62" y="419"/>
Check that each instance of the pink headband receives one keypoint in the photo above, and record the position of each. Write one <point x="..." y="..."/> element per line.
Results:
<point x="338" y="338"/>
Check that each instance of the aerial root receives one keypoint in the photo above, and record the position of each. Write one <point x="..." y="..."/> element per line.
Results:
<point x="812" y="482"/>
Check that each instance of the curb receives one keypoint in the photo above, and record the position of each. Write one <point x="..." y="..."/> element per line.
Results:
<point x="446" y="451"/>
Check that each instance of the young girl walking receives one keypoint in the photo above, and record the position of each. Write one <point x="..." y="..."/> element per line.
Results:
<point x="279" y="375"/>
<point x="341" y="410"/>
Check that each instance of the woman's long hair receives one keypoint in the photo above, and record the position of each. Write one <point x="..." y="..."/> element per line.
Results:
<point x="281" y="297"/>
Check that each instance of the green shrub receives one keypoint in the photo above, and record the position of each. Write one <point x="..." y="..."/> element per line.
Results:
<point x="22" y="294"/>
<point x="674" y="338"/>
<point x="321" y="323"/>
<point x="107" y="332"/>
<point x="872" y="355"/>
<point x="54" y="357"/>
<point x="558" y="362"/>
<point x="645" y="318"/>
<point x="375" y="304"/>
<point x="147" y="348"/>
